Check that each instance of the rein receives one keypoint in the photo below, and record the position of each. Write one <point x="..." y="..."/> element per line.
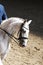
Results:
<point x="10" y="35"/>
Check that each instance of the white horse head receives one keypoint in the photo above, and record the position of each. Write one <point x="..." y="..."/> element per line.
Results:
<point x="24" y="32"/>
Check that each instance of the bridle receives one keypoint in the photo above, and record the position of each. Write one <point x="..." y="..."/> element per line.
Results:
<point x="22" y="30"/>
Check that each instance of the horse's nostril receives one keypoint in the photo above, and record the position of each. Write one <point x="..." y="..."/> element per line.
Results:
<point x="23" y="45"/>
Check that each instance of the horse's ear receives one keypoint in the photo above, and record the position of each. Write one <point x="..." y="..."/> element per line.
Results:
<point x="29" y="22"/>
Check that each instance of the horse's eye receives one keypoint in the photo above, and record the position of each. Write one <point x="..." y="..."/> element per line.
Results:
<point x="23" y="31"/>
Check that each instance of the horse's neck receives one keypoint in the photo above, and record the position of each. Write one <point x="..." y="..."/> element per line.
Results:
<point x="4" y="39"/>
<point x="14" y="27"/>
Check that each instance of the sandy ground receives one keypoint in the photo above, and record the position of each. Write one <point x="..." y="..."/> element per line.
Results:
<point x="30" y="55"/>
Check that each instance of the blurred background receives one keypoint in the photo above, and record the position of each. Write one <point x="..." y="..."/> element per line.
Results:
<point x="28" y="10"/>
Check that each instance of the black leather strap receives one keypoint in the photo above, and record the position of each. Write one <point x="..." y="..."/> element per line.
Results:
<point x="23" y="38"/>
